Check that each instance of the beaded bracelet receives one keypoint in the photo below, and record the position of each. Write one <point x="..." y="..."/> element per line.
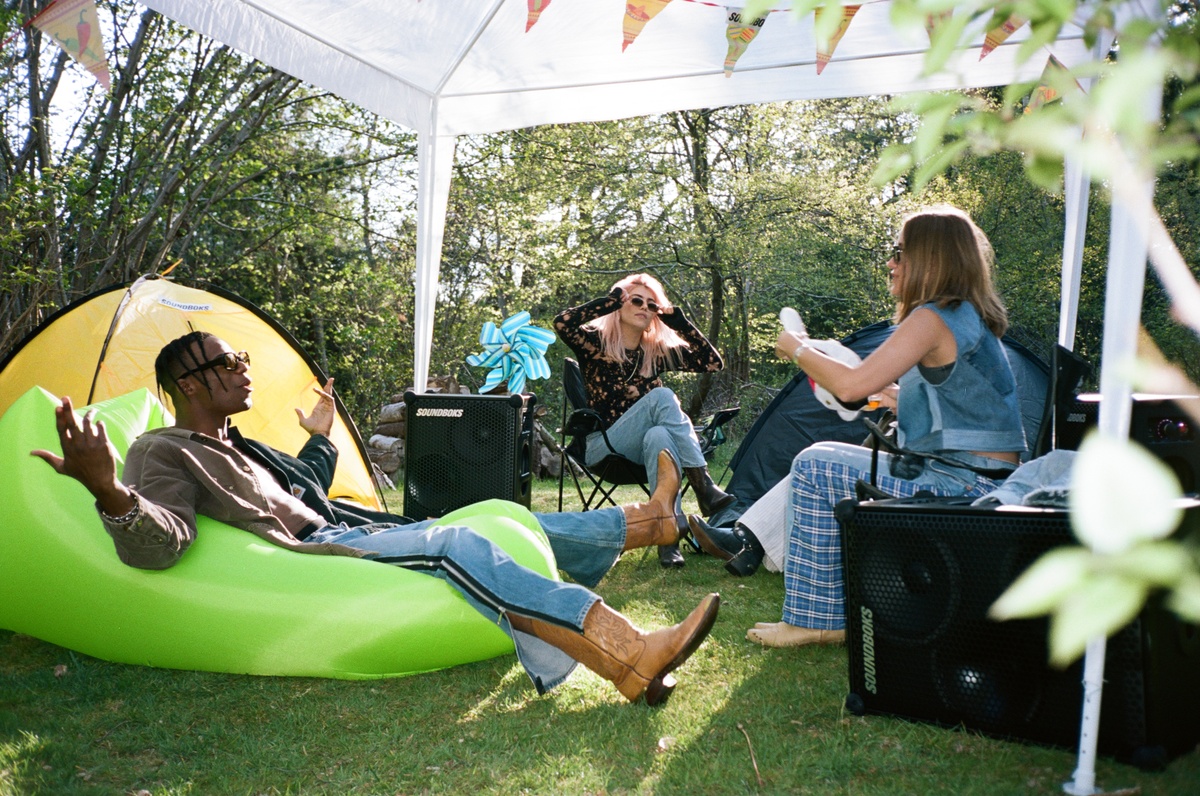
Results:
<point x="125" y="518"/>
<point x="796" y="353"/>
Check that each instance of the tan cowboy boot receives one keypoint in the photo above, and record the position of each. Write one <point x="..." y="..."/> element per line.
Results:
<point x="636" y="662"/>
<point x="781" y="634"/>
<point x="656" y="522"/>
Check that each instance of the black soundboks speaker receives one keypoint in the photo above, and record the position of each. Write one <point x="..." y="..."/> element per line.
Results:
<point x="1157" y="422"/>
<point x="919" y="579"/>
<point x="461" y="449"/>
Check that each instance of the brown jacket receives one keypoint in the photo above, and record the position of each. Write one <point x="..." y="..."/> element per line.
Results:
<point x="176" y="474"/>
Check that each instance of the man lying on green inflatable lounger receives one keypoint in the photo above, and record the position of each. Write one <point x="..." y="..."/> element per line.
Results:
<point x="203" y="466"/>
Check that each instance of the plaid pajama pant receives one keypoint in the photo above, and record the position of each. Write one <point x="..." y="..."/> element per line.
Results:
<point x="823" y="475"/>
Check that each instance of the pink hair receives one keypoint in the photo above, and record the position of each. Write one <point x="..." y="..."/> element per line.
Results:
<point x="658" y="340"/>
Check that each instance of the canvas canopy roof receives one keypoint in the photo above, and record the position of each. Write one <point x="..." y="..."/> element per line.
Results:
<point x="449" y="67"/>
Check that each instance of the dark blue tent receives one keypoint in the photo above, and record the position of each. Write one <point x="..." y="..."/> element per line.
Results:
<point x="795" y="420"/>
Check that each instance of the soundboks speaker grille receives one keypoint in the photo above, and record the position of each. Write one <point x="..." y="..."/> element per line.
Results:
<point x="919" y="579"/>
<point x="461" y="449"/>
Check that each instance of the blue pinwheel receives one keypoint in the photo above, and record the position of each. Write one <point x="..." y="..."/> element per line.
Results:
<point x="515" y="351"/>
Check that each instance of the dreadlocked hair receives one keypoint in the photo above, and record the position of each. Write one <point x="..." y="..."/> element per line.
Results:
<point x="178" y="356"/>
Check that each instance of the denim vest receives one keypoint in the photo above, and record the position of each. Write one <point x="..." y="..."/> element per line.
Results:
<point x="976" y="408"/>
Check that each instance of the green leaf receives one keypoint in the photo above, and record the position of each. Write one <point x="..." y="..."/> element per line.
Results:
<point x="825" y="22"/>
<point x="756" y="8"/>
<point x="1039" y="589"/>
<point x="941" y="160"/>
<point x="896" y="160"/>
<point x="800" y="8"/>
<point x="1121" y="494"/>
<point x="1041" y="34"/>
<point x="945" y="41"/>
<point x="1185" y="598"/>
<point x="1157" y="564"/>
<point x="1101" y="606"/>
<point x="1046" y="171"/>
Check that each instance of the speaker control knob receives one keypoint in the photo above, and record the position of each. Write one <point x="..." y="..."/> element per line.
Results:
<point x="1172" y="429"/>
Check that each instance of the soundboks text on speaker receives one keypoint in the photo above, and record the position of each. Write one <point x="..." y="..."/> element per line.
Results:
<point x="425" y="411"/>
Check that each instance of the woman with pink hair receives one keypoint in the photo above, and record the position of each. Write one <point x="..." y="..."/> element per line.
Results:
<point x="624" y="341"/>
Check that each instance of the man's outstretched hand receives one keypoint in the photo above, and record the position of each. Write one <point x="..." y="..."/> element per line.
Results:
<point x="89" y="458"/>
<point x="320" y="421"/>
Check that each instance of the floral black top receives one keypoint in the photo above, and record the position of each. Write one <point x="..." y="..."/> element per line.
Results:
<point x="613" y="387"/>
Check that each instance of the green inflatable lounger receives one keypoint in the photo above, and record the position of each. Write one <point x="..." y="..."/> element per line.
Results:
<point x="233" y="603"/>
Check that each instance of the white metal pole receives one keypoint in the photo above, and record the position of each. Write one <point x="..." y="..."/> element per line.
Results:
<point x="1076" y="190"/>
<point x="1132" y="208"/>
<point x="435" y="160"/>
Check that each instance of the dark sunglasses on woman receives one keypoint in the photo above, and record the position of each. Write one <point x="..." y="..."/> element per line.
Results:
<point x="638" y="301"/>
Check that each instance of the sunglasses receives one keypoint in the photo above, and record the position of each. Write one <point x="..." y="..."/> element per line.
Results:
<point x="228" y="361"/>
<point x="638" y="302"/>
<point x="897" y="252"/>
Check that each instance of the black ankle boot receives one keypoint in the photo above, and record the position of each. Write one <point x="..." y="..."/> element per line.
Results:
<point x="748" y="560"/>
<point x="709" y="496"/>
<point x="737" y="546"/>
<point x="669" y="556"/>
<point x="715" y="540"/>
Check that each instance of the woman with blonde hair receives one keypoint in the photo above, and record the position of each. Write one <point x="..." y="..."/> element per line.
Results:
<point x="959" y="420"/>
<point x="623" y="341"/>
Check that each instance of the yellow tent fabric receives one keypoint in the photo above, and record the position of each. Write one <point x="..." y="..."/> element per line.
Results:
<point x="75" y="354"/>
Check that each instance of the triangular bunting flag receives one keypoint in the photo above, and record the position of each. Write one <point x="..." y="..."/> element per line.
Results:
<point x="637" y="14"/>
<point x="1055" y="77"/>
<point x="536" y="7"/>
<point x="826" y="52"/>
<point x="75" y="26"/>
<point x="997" y="33"/>
<point x="739" y="35"/>
<point x="933" y="20"/>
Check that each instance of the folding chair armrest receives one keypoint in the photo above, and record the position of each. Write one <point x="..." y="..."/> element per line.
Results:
<point x="582" y="422"/>
<point x="716" y="420"/>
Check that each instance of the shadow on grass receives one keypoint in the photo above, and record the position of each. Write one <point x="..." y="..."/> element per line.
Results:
<point x="743" y="719"/>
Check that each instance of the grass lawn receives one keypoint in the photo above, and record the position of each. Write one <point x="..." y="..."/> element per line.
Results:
<point x="743" y="720"/>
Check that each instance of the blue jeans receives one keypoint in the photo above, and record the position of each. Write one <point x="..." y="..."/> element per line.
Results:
<point x="586" y="544"/>
<point x="823" y="475"/>
<point x="656" y="422"/>
<point x="490" y="580"/>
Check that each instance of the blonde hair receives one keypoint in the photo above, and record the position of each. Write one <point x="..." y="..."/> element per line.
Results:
<point x="948" y="259"/>
<point x="658" y="342"/>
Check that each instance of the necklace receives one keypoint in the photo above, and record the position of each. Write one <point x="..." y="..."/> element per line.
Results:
<point x="636" y="365"/>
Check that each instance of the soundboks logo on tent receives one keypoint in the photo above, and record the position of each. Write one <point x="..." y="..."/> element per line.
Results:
<point x="868" y="643"/>
<point x="184" y="307"/>
<point x="425" y="411"/>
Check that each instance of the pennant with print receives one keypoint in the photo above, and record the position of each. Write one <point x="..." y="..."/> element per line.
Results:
<point x="933" y="20"/>
<point x="536" y="7"/>
<point x="739" y="34"/>
<point x="998" y="32"/>
<point x="75" y="26"/>
<point x="637" y="14"/>
<point x="1056" y="79"/>
<point x="824" y="53"/>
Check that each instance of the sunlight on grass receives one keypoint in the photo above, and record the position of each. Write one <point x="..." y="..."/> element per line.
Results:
<point x="743" y="719"/>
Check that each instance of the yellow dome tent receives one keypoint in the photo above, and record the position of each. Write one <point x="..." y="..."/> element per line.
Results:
<point x="104" y="345"/>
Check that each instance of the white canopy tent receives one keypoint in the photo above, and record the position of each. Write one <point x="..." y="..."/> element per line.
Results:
<point x="451" y="67"/>
<point x="446" y="68"/>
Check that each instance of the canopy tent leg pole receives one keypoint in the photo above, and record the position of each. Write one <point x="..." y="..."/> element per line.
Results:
<point x="1076" y="187"/>
<point x="435" y="160"/>
<point x="1076" y="196"/>
<point x="1128" y="247"/>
